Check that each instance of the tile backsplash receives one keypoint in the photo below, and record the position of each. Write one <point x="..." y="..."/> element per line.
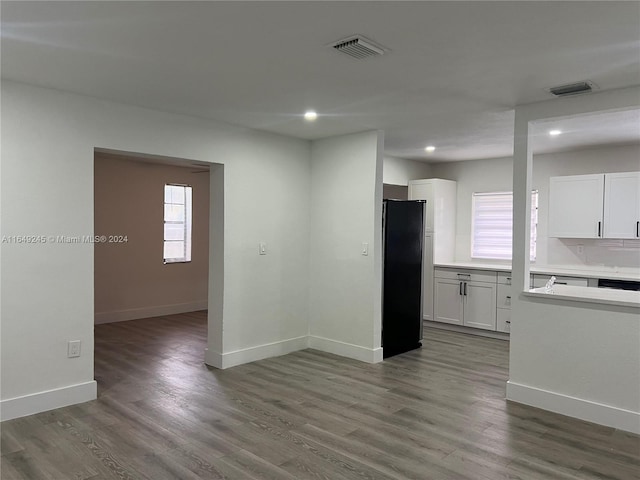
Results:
<point x="594" y="252"/>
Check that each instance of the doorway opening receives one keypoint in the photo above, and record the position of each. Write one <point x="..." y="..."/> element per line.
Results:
<point x="145" y="294"/>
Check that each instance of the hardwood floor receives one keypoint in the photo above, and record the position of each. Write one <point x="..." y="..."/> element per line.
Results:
<point x="434" y="413"/>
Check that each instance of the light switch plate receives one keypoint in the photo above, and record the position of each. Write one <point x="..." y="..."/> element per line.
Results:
<point x="365" y="248"/>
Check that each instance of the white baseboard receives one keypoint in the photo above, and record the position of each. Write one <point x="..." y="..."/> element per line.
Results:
<point x="575" y="407"/>
<point x="146" y="312"/>
<point x="369" y="355"/>
<point x="47" y="400"/>
<point x="251" y="354"/>
<point x="238" y="357"/>
<point x="213" y="359"/>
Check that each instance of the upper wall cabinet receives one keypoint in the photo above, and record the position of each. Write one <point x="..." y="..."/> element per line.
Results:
<point x="595" y="206"/>
<point x="622" y="205"/>
<point x="575" y="206"/>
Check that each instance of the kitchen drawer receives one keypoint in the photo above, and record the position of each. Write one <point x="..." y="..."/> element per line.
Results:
<point x="463" y="275"/>
<point x="541" y="281"/>
<point x="503" y="323"/>
<point x="504" y="296"/>
<point x="504" y="278"/>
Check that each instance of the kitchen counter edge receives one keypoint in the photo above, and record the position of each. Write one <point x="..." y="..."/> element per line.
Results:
<point x="623" y="298"/>
<point x="547" y="270"/>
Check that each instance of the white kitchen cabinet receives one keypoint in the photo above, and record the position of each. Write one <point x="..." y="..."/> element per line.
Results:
<point x="424" y="190"/>
<point x="622" y="205"/>
<point x="576" y="206"/>
<point x="503" y="320"/>
<point x="479" y="300"/>
<point x="439" y="245"/>
<point x="440" y="214"/>
<point x="448" y="304"/>
<point x="504" y="278"/>
<point x="503" y="302"/>
<point x="427" y="278"/>
<point x="503" y="296"/>
<point x="595" y="206"/>
<point x="465" y="298"/>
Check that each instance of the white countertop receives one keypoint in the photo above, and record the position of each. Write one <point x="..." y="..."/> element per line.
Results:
<point x="586" y="271"/>
<point x="607" y="296"/>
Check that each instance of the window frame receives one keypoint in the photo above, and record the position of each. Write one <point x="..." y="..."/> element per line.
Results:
<point x="534" y="226"/>
<point x="187" y="221"/>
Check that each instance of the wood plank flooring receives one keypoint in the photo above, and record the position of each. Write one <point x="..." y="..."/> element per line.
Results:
<point x="434" y="413"/>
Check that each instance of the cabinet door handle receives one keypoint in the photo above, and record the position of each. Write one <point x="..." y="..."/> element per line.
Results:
<point x="637" y="229"/>
<point x="507" y="321"/>
<point x="460" y="288"/>
<point x="509" y="297"/>
<point x="561" y="283"/>
<point x="465" y="289"/>
<point x="599" y="228"/>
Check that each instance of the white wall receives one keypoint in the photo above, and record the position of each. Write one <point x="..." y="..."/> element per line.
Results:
<point x="48" y="141"/>
<point x="346" y="200"/>
<point x="579" y="359"/>
<point x="611" y="253"/>
<point x="473" y="176"/>
<point x="398" y="171"/>
<point x="266" y="189"/>
<point x="575" y="358"/>
<point x="497" y="175"/>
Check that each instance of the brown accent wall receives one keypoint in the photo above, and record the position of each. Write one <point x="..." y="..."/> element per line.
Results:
<point x="131" y="280"/>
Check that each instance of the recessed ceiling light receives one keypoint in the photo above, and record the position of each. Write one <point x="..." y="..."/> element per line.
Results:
<point x="310" y="116"/>
<point x="554" y="133"/>
<point x="430" y="148"/>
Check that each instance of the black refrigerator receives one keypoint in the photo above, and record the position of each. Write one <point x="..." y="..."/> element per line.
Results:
<point x="403" y="237"/>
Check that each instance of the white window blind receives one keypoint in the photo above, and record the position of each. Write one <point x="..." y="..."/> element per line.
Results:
<point x="177" y="223"/>
<point x="492" y="225"/>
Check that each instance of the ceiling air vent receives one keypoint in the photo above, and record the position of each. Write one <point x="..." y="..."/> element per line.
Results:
<point x="572" y="89"/>
<point x="359" y="47"/>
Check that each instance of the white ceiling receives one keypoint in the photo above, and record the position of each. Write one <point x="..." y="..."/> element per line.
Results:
<point x="452" y="76"/>
<point x="604" y="128"/>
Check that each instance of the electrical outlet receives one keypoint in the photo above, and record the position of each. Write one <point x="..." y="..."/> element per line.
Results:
<point x="73" y="348"/>
<point x="262" y="248"/>
<point x="580" y="249"/>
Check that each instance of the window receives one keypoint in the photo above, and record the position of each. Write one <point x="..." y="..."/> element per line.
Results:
<point x="177" y="223"/>
<point x="492" y="225"/>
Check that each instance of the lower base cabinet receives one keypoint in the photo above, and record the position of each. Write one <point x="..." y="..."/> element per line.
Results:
<point x="481" y="298"/>
<point x="480" y="305"/>
<point x="448" y="306"/>
<point x="463" y="298"/>
<point x="503" y="321"/>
